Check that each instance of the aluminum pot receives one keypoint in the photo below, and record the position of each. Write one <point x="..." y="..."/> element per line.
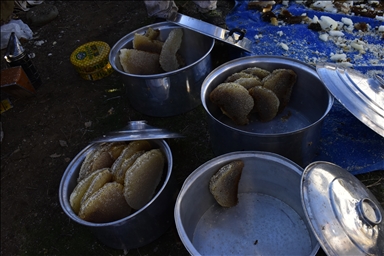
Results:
<point x="268" y="220"/>
<point x="137" y="229"/>
<point x="170" y="93"/>
<point x="294" y="133"/>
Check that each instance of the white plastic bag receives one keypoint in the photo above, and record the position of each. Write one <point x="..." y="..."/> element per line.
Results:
<point x="161" y="9"/>
<point x="164" y="8"/>
<point x="21" y="30"/>
<point x="207" y="5"/>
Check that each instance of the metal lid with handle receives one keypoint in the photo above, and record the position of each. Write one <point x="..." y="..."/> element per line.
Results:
<point x="137" y="130"/>
<point x="344" y="215"/>
<point x="363" y="96"/>
<point x="233" y="37"/>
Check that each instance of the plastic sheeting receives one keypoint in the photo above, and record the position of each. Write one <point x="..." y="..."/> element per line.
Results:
<point x="345" y="140"/>
<point x="21" y="30"/>
<point x="304" y="44"/>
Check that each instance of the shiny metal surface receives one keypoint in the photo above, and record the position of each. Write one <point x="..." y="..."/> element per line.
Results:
<point x="171" y="93"/>
<point x="363" y="96"/>
<point x="14" y="50"/>
<point x="268" y="220"/>
<point x="294" y="133"/>
<point x="137" y="229"/>
<point x="346" y="218"/>
<point x="232" y="38"/>
<point x="137" y="130"/>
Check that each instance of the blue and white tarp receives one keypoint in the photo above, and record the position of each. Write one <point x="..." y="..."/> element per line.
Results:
<point x="345" y="140"/>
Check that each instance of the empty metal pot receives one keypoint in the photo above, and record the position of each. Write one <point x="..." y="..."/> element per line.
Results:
<point x="170" y="93"/>
<point x="268" y="220"/>
<point x="294" y="133"/>
<point x="282" y="209"/>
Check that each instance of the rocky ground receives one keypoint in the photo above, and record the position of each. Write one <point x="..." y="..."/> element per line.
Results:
<point x="42" y="134"/>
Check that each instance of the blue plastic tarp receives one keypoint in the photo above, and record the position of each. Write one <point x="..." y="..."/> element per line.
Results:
<point x="345" y="140"/>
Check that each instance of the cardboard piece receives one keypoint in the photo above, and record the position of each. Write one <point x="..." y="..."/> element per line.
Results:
<point x="15" y="82"/>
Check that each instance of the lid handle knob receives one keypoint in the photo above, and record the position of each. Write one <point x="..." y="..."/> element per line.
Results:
<point x="369" y="212"/>
<point x="137" y="125"/>
<point x="238" y="30"/>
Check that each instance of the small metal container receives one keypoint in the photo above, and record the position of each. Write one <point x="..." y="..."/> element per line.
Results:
<point x="170" y="93"/>
<point x="144" y="225"/>
<point x="294" y="133"/>
<point x="282" y="210"/>
<point x="16" y="55"/>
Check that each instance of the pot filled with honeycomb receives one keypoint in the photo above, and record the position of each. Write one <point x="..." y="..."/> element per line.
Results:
<point x="162" y="66"/>
<point x="122" y="188"/>
<point x="266" y="103"/>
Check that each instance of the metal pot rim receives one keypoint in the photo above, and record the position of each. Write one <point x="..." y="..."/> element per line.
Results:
<point x="117" y="46"/>
<point x="71" y="168"/>
<point x="258" y="59"/>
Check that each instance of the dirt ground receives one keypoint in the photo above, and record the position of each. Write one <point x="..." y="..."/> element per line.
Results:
<point x="42" y="134"/>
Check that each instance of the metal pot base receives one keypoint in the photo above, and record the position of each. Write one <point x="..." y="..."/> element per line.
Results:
<point x="249" y="229"/>
<point x="287" y="121"/>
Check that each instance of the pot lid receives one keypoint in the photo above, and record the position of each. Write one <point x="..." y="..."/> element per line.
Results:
<point x="344" y="215"/>
<point x="137" y="130"/>
<point x="363" y="96"/>
<point x="233" y="37"/>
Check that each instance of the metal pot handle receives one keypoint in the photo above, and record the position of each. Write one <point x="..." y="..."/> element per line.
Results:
<point x="213" y="31"/>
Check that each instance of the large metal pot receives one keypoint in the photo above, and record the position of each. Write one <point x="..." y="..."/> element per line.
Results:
<point x="282" y="209"/>
<point x="170" y="93"/>
<point x="268" y="220"/>
<point x="144" y="225"/>
<point x="294" y="133"/>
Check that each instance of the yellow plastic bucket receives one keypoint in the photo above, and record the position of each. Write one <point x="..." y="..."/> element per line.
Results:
<point x="91" y="60"/>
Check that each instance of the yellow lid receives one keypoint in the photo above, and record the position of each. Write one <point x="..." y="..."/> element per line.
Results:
<point x="90" y="57"/>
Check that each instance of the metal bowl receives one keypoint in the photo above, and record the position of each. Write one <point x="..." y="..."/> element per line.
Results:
<point x="294" y="133"/>
<point x="268" y="220"/>
<point x="170" y="93"/>
<point x="137" y="229"/>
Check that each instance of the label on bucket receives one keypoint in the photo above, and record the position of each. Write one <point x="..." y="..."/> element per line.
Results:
<point x="98" y="74"/>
